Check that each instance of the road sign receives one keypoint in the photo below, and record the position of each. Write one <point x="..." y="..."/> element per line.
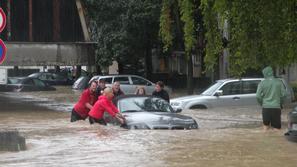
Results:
<point x="2" y="20"/>
<point x="2" y="51"/>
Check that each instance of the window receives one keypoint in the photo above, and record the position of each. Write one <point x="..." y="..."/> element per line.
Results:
<point x="122" y="80"/>
<point x="50" y="77"/>
<point x="139" y="81"/>
<point x="249" y="87"/>
<point x="43" y="76"/>
<point x="28" y="82"/>
<point x="38" y="83"/>
<point x="231" y="88"/>
<point x="107" y="80"/>
<point x="140" y="104"/>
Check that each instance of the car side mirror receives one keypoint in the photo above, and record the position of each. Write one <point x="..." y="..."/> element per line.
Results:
<point x="178" y="110"/>
<point x="148" y="84"/>
<point x="218" y="93"/>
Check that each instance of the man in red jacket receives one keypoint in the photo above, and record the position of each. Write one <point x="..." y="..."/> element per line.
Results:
<point x="103" y="104"/>
<point x="85" y="103"/>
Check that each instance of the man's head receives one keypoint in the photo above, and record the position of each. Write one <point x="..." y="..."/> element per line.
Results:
<point x="267" y="72"/>
<point x="159" y="86"/>
<point x="93" y="86"/>
<point x="108" y="93"/>
<point x="101" y="83"/>
<point x="116" y="86"/>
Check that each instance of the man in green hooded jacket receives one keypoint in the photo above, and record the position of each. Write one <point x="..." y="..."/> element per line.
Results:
<point x="270" y="95"/>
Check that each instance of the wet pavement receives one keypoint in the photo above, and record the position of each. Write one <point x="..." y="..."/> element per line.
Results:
<point x="227" y="137"/>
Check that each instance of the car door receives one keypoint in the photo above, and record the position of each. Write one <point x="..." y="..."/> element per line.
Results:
<point x="125" y="83"/>
<point x="249" y="89"/>
<point x="230" y="96"/>
<point x="39" y="85"/>
<point x="138" y="81"/>
<point x="28" y="85"/>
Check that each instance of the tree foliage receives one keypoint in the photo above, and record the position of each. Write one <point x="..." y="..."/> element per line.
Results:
<point x="261" y="33"/>
<point x="186" y="15"/>
<point x="123" y="30"/>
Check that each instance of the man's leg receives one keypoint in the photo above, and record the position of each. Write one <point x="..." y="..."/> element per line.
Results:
<point x="276" y="119"/>
<point x="266" y="119"/>
<point x="75" y="116"/>
<point x="99" y="121"/>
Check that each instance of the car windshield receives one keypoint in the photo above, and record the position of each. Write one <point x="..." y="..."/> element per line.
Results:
<point x="209" y="91"/>
<point x="150" y="104"/>
<point x="15" y="80"/>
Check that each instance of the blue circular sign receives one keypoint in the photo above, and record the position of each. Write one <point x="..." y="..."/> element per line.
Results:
<point x="2" y="51"/>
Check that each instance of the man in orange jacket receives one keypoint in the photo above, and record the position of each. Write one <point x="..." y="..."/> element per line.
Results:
<point x="103" y="104"/>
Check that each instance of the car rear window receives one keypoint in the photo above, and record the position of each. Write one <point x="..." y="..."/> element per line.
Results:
<point x="250" y="87"/>
<point x="122" y="80"/>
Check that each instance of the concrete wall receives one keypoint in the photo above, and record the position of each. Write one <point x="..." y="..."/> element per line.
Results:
<point x="49" y="54"/>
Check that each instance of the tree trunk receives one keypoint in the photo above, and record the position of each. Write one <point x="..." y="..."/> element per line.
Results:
<point x="98" y="70"/>
<point x="78" y="72"/>
<point x="190" y="86"/>
<point x="148" y="63"/>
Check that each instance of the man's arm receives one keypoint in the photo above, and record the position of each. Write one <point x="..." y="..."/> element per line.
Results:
<point x="113" y="111"/>
<point x="87" y="98"/>
<point x="259" y="94"/>
<point x="88" y="105"/>
<point x="166" y="96"/>
<point x="283" y="93"/>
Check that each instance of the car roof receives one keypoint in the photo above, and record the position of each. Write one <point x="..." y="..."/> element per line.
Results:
<point x="117" y="75"/>
<point x="238" y="79"/>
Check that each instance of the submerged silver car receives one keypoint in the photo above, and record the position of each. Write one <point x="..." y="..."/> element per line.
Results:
<point x="148" y="112"/>
<point x="227" y="93"/>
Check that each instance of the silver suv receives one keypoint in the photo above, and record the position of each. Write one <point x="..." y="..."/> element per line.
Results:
<point x="129" y="83"/>
<point x="225" y="93"/>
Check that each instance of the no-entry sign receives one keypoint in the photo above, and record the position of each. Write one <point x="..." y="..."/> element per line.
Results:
<point x="2" y="45"/>
<point x="2" y="51"/>
<point x="2" y="20"/>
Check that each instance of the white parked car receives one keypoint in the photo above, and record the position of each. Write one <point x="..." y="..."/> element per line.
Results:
<point x="129" y="83"/>
<point x="227" y="93"/>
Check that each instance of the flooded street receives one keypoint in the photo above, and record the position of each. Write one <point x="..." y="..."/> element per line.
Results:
<point x="227" y="137"/>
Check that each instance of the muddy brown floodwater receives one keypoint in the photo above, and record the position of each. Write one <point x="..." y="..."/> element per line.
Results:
<point x="227" y="137"/>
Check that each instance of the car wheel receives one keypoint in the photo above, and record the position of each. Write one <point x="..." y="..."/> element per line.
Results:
<point x="198" y="107"/>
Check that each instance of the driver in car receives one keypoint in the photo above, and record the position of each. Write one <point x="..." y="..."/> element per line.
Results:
<point x="104" y="103"/>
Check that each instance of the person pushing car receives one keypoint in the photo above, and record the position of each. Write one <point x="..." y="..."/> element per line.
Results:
<point x="104" y="104"/>
<point x="85" y="103"/>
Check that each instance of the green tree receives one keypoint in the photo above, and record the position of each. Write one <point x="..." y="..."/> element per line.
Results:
<point x="177" y="15"/>
<point x="124" y="30"/>
<point x="261" y="33"/>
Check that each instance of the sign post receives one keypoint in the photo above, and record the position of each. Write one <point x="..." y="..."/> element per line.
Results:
<point x="2" y="45"/>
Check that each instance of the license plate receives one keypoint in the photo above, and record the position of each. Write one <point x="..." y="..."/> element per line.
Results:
<point x="294" y="127"/>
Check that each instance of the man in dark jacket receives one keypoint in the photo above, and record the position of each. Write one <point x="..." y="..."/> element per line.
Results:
<point x="270" y="95"/>
<point x="160" y="92"/>
<point x="116" y="89"/>
<point x="100" y="88"/>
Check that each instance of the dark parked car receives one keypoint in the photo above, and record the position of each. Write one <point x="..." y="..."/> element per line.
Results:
<point x="148" y="112"/>
<point x="81" y="83"/>
<point x="291" y="135"/>
<point x="25" y="84"/>
<point x="52" y="78"/>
